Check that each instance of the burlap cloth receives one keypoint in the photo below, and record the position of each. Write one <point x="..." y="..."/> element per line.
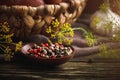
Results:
<point x="80" y="43"/>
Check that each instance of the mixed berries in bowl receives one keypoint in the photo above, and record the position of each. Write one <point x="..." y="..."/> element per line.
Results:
<point x="48" y="54"/>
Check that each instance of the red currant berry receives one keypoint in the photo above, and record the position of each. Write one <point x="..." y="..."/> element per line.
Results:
<point x="43" y="45"/>
<point x="52" y="56"/>
<point x="46" y="44"/>
<point x="42" y="55"/>
<point x="39" y="54"/>
<point x="39" y="49"/>
<point x="31" y="51"/>
<point x="60" y="55"/>
<point x="35" y="51"/>
<point x="56" y="44"/>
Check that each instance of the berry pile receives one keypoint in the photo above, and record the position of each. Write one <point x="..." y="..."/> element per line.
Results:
<point x="49" y="51"/>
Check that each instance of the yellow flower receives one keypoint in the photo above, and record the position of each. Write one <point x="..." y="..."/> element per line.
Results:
<point x="65" y="27"/>
<point x="60" y="41"/>
<point x="68" y="41"/>
<point x="108" y="25"/>
<point x="60" y="36"/>
<point x="53" y="35"/>
<point x="91" y="40"/>
<point x="104" y="7"/>
<point x="5" y="37"/>
<point x="4" y="27"/>
<point x="9" y="40"/>
<point x="55" y="23"/>
<point x="8" y="53"/>
<point x="70" y="32"/>
<point x="96" y="20"/>
<point x="18" y="46"/>
<point x="49" y="30"/>
<point x="8" y="37"/>
<point x="7" y="49"/>
<point x="104" y="50"/>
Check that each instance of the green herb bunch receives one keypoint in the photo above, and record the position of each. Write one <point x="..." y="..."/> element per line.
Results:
<point x="6" y="42"/>
<point x="63" y="33"/>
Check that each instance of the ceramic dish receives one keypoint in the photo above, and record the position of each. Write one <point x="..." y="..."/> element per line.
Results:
<point x="46" y="61"/>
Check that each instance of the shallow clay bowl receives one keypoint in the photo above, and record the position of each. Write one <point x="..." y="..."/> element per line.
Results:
<point x="45" y="61"/>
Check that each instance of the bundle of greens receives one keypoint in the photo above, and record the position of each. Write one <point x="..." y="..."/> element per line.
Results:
<point x="6" y="42"/>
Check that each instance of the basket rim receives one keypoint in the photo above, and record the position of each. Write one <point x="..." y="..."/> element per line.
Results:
<point x="43" y="4"/>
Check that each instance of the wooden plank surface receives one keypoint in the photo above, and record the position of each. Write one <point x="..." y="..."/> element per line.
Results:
<point x="69" y="71"/>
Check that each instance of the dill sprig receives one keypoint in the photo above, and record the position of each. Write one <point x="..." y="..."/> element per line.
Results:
<point x="66" y="31"/>
<point x="104" y="7"/>
<point x="6" y="41"/>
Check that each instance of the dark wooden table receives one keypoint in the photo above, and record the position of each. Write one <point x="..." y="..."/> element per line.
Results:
<point x="72" y="70"/>
<point x="76" y="69"/>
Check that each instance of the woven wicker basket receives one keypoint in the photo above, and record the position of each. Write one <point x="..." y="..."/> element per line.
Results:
<point x="26" y="20"/>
